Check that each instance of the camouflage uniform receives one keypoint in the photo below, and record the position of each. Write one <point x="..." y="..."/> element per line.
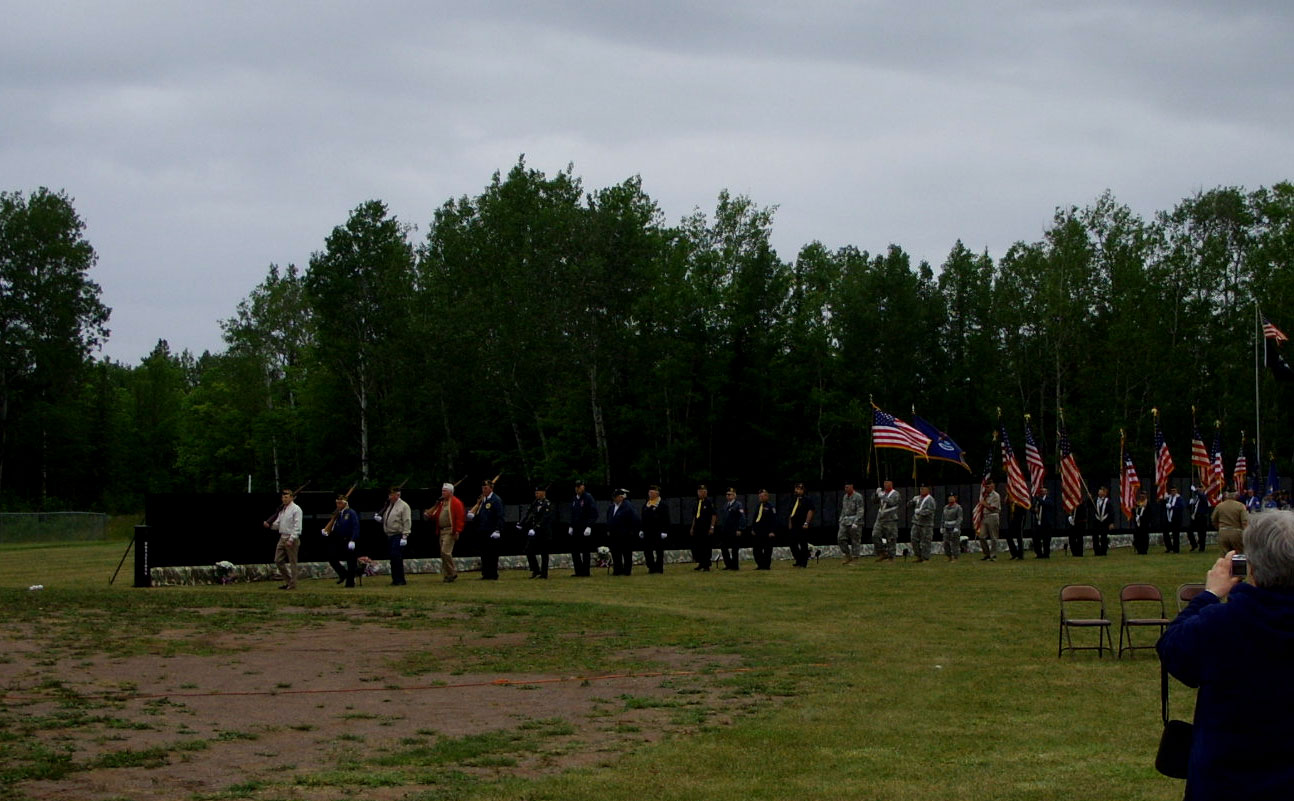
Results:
<point x="849" y="536"/>
<point x="885" y="534"/>
<point x="923" y="525"/>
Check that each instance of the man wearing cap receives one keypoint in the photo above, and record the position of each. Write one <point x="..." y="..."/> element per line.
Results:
<point x="623" y="527"/>
<point x="732" y="521"/>
<point x="287" y="522"/>
<point x="923" y="523"/>
<point x="1197" y="534"/>
<point x="701" y="529"/>
<point x="488" y="514"/>
<point x="797" y="524"/>
<point x="538" y="526"/>
<point x="951" y="525"/>
<point x="397" y="522"/>
<point x="885" y="533"/>
<point x="1102" y="521"/>
<point x="763" y="532"/>
<point x="654" y="530"/>
<point x="343" y="535"/>
<point x="850" y="534"/>
<point x="1231" y="519"/>
<point x="584" y="513"/>
<point x="991" y="504"/>
<point x="1174" y="512"/>
<point x="449" y="517"/>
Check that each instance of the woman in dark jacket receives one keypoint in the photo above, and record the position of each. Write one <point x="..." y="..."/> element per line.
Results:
<point x="1239" y="655"/>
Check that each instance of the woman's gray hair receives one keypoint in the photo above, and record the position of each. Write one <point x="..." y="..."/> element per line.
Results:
<point x="1269" y="544"/>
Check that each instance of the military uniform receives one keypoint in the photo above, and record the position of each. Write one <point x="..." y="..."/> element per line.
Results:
<point x="489" y="527"/>
<point x="732" y="520"/>
<point x="763" y="532"/>
<point x="702" y="531"/>
<point x="951" y="526"/>
<point x="538" y="526"/>
<point x="1102" y="520"/>
<point x="584" y="513"/>
<point x="623" y="528"/>
<point x="885" y="534"/>
<point x="849" y="536"/>
<point x="797" y="526"/>
<point x="989" y="526"/>
<point x="344" y="558"/>
<point x="655" y="531"/>
<point x="923" y="525"/>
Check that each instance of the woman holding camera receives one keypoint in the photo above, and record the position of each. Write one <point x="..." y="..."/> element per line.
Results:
<point x="1239" y="654"/>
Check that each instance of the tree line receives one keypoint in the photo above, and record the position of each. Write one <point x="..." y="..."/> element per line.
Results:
<point x="545" y="331"/>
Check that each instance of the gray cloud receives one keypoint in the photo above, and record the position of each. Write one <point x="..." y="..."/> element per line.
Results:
<point x="205" y="141"/>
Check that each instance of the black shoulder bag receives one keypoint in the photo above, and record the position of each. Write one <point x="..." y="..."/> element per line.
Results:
<point x="1175" y="745"/>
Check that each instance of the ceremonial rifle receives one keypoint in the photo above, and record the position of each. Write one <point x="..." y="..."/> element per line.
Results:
<point x="332" y="521"/>
<point x="481" y="499"/>
<point x="269" y="521"/>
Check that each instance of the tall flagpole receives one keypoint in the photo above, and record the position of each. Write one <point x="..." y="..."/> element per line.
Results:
<point x="1258" y="426"/>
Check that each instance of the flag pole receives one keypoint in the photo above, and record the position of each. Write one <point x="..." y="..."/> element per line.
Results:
<point x="1258" y="338"/>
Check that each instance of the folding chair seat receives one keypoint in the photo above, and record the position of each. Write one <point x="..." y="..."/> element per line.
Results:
<point x="1186" y="593"/>
<point x="1139" y="599"/>
<point x="1086" y="598"/>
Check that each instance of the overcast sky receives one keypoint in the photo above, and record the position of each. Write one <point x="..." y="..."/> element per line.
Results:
<point x="204" y="141"/>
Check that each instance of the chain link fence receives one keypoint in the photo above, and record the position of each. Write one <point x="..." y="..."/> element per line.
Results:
<point x="52" y="527"/>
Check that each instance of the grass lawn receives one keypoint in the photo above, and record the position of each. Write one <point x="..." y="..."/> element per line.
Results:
<point x="900" y="681"/>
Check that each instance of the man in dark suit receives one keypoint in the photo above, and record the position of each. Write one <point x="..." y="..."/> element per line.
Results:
<point x="1044" y="524"/>
<point x="763" y="531"/>
<point x="1201" y="513"/>
<point x="1078" y="527"/>
<point x="1103" y="519"/>
<point x="622" y="526"/>
<point x="489" y="526"/>
<point x="1174" y="513"/>
<point x="584" y="513"/>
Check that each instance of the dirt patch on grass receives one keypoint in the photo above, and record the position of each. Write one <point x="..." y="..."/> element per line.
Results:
<point x="323" y="710"/>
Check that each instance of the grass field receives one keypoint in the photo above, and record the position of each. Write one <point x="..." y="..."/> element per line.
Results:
<point x="901" y="681"/>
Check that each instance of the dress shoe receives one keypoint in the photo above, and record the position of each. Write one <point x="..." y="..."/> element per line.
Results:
<point x="449" y="579"/>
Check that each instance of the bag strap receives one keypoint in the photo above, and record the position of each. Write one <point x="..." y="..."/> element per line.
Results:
<point x="1163" y="689"/>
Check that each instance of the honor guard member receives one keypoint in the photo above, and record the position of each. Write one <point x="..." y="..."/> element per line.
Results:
<point x="448" y="516"/>
<point x="397" y="522"/>
<point x="923" y="523"/>
<point x="623" y="528"/>
<point x="1174" y="514"/>
<point x="701" y="529"/>
<point x="885" y="534"/>
<point x="488" y="515"/>
<point x="584" y="513"/>
<point x="538" y="526"/>
<point x="1102" y="520"/>
<point x="992" y="503"/>
<point x="1197" y="534"/>
<point x="732" y="521"/>
<point x="798" y="522"/>
<point x="654" y="531"/>
<point x="287" y="522"/>
<point x="1015" y="520"/>
<point x="850" y="535"/>
<point x="1044" y="524"/>
<point x="1231" y="518"/>
<point x="763" y="532"/>
<point x="343" y="531"/>
<point x="1077" y="526"/>
<point x="1141" y="519"/>
<point x="951" y="526"/>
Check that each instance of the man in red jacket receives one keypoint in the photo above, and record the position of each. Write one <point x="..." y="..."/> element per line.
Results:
<point x="448" y="516"/>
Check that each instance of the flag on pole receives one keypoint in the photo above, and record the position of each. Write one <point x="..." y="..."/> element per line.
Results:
<point x="1033" y="458"/>
<point x="941" y="448"/>
<point x="1017" y="489"/>
<point x="1272" y="332"/>
<point x="977" y="514"/>
<point x="1071" y="480"/>
<point x="1163" y="463"/>
<point x="890" y="432"/>
<point x="1217" y="480"/>
<point x="1128" y="485"/>
<point x="1242" y="469"/>
<point x="1199" y="454"/>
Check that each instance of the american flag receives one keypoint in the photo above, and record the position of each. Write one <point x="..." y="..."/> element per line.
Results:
<point x="1200" y="457"/>
<point x="1242" y="469"/>
<point x="1017" y="489"/>
<point x="1129" y="484"/>
<point x="1033" y="458"/>
<point x="1217" y="480"/>
<point x="1071" y="481"/>
<point x="1272" y="332"/>
<point x="890" y="432"/>
<point x="1163" y="464"/>
<point x="977" y="514"/>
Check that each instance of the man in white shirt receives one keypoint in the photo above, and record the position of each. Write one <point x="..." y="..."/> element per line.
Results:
<point x="287" y="522"/>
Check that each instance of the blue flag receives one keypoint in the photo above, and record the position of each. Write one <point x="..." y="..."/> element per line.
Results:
<point x="941" y="446"/>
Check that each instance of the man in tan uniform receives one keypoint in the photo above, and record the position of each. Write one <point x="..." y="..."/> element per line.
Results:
<point x="1231" y="518"/>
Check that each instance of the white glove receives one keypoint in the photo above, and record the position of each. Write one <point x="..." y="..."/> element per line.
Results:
<point x="377" y="518"/>
<point x="404" y="541"/>
<point x="530" y="533"/>
<point x="588" y="532"/>
<point x="663" y="535"/>
<point x="323" y="531"/>
<point x="471" y="516"/>
<point x="292" y="540"/>
<point x="570" y="530"/>
<point x="641" y="535"/>
<point x="350" y="546"/>
<point x="495" y="535"/>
